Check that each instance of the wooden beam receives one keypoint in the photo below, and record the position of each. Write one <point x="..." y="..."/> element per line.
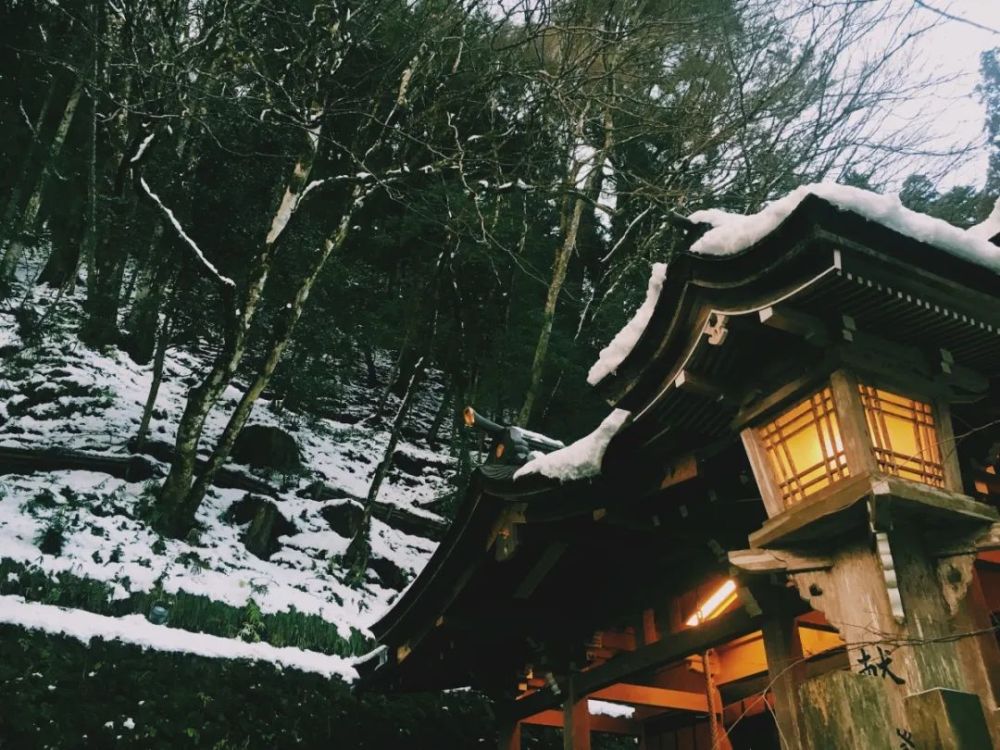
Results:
<point x="657" y="697"/>
<point x="668" y="650"/>
<point x="681" y="469"/>
<point x="546" y="561"/>
<point x="691" y="382"/>
<point x="576" y="718"/>
<point x="763" y="561"/>
<point x="741" y="660"/>
<point x="598" y="722"/>
<point x="930" y="502"/>
<point x="984" y="540"/>
<point x="793" y="524"/>
<point x="796" y="323"/>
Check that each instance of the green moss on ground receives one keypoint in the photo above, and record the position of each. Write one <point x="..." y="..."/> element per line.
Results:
<point x="60" y="693"/>
<point x="187" y="611"/>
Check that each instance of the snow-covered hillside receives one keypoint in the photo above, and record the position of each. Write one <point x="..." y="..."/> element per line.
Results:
<point x="75" y="524"/>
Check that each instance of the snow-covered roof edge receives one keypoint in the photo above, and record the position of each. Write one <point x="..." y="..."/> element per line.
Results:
<point x="735" y="232"/>
<point x="624" y="342"/>
<point x="990" y="228"/>
<point x="579" y="460"/>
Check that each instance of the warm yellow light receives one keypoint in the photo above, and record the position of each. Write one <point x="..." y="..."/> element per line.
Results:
<point x="804" y="447"/>
<point x="903" y="435"/>
<point x="721" y="598"/>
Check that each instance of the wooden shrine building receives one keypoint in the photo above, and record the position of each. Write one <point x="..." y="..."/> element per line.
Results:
<point x="792" y="539"/>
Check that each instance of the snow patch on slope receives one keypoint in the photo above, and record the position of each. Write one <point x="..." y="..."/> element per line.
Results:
<point x="136" y="630"/>
<point x="104" y="541"/>
<point x="581" y="459"/>
<point x="56" y="393"/>
<point x="622" y="344"/>
<point x="734" y="232"/>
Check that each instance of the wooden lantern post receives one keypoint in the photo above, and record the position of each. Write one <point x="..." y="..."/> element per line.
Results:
<point x="863" y="478"/>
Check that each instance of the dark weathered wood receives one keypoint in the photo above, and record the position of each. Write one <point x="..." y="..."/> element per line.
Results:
<point x="576" y="718"/>
<point x="845" y="710"/>
<point x="699" y="385"/>
<point x="776" y="400"/>
<point x="948" y="447"/>
<point x="540" y="569"/>
<point x="892" y="495"/>
<point x="851" y="416"/>
<point x="821" y="514"/>
<point x="762" y="472"/>
<point x="681" y="469"/>
<point x="759" y="561"/>
<point x="30" y="460"/>
<point x="948" y="720"/>
<point x="783" y="318"/>
<point x="645" y="695"/>
<point x="665" y="651"/>
<point x="786" y="670"/>
<point x="984" y="540"/>
<point x="598" y="723"/>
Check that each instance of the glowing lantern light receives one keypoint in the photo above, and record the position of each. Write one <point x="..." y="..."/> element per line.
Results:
<point x="721" y="598"/>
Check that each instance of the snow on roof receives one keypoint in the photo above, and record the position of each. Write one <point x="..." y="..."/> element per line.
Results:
<point x="578" y="460"/>
<point x="990" y="228"/>
<point x="136" y="630"/>
<point x="734" y="232"/>
<point x="621" y="345"/>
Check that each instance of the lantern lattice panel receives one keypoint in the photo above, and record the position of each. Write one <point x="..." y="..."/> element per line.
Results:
<point x="804" y="448"/>
<point x="903" y="435"/>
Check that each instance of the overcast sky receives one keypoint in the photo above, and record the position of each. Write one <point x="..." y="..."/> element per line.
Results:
<point x="953" y="46"/>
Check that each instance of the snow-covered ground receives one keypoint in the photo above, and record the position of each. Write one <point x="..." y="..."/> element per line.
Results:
<point x="59" y="393"/>
<point x="135" y="630"/>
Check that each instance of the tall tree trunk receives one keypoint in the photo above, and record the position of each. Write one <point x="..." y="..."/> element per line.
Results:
<point x="444" y="408"/>
<point x="283" y="336"/>
<point x="27" y="167"/>
<point x="172" y="514"/>
<point x="561" y="266"/>
<point x="141" y="321"/>
<point x="559" y="269"/>
<point x="30" y="215"/>
<point x="159" y="359"/>
<point x="155" y="268"/>
<point x="359" y="550"/>
<point x="105" y="262"/>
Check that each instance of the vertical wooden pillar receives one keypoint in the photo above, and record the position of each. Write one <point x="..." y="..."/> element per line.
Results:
<point x="510" y="736"/>
<point x="926" y="649"/>
<point x="786" y="671"/>
<point x="576" y="720"/>
<point x="720" y="739"/>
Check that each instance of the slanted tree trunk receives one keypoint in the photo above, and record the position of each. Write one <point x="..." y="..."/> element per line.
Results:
<point x="371" y="372"/>
<point x="159" y="359"/>
<point x="359" y="550"/>
<point x="27" y="167"/>
<point x="282" y="337"/>
<point x="444" y="408"/>
<point x="30" y="215"/>
<point x="172" y="514"/>
<point x="560" y="267"/>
